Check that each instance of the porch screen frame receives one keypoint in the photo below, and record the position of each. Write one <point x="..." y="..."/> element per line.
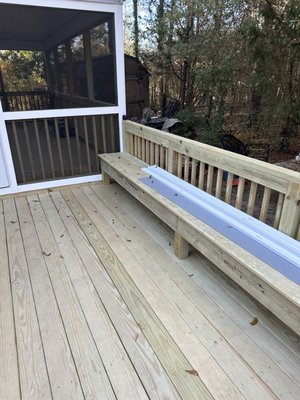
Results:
<point x="120" y="109"/>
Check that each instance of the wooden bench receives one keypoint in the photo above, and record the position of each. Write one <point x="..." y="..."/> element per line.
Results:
<point x="275" y="291"/>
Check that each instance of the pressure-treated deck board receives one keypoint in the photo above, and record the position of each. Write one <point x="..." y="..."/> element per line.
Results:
<point x="274" y="341"/>
<point x="192" y="302"/>
<point x="91" y="372"/>
<point x="34" y="381"/>
<point x="62" y="375"/>
<point x="212" y="374"/>
<point x="189" y="385"/>
<point x="127" y="384"/>
<point x="154" y="264"/>
<point x="9" y="371"/>
<point x="77" y="313"/>
<point x="144" y="360"/>
<point x="163" y="236"/>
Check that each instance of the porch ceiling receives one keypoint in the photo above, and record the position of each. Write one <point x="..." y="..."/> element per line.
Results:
<point x="39" y="28"/>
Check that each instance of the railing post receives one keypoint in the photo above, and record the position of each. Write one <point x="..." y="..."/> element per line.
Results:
<point x="125" y="138"/>
<point x="290" y="217"/>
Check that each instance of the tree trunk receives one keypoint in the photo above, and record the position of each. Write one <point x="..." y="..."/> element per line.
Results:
<point x="136" y="28"/>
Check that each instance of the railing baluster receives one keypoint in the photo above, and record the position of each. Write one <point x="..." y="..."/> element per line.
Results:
<point x="298" y="234"/>
<point x="143" y="150"/>
<point x="49" y="147"/>
<point x="186" y="168"/>
<point x="138" y="147"/>
<point x="278" y="210"/>
<point x="38" y="142"/>
<point x="15" y="132"/>
<point x="201" y="175"/>
<point x="87" y="147"/>
<point x="162" y="157"/>
<point x="156" y="154"/>
<point x="240" y="193"/>
<point x="152" y="153"/>
<point x="179" y="165"/>
<point x="131" y="144"/>
<point x="147" y="152"/>
<point x="28" y="145"/>
<point x="103" y="134"/>
<point x="265" y="204"/>
<point x="228" y="191"/>
<point x="94" y="129"/>
<point x="66" y="121"/>
<point x="113" y="137"/>
<point x="79" y="161"/>
<point x="252" y="198"/>
<point x="135" y="146"/>
<point x="210" y="175"/>
<point x="57" y="133"/>
<point x="219" y="183"/>
<point x="194" y="171"/>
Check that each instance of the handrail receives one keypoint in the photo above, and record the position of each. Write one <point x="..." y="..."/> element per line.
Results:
<point x="26" y="100"/>
<point x="270" y="191"/>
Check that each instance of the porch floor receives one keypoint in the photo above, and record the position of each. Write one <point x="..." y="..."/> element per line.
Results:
<point x="94" y="305"/>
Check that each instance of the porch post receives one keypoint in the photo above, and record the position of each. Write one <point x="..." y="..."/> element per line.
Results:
<point x="7" y="157"/>
<point x="120" y="71"/>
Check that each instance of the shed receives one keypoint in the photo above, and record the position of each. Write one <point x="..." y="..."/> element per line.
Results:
<point x="137" y="86"/>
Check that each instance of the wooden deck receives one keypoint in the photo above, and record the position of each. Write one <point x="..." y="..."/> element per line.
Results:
<point x="94" y="305"/>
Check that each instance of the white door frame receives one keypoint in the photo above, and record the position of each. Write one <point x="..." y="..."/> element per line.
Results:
<point x="120" y="109"/>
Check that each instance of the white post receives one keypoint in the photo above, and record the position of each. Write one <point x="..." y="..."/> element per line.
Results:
<point x="120" y="68"/>
<point x="7" y="157"/>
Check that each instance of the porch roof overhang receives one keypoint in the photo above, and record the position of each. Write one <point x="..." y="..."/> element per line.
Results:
<point x="40" y="28"/>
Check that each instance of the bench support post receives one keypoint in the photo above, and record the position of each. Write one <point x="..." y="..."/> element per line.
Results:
<point x="106" y="179"/>
<point x="181" y="246"/>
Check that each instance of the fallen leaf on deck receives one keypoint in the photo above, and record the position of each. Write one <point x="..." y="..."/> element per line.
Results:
<point x="46" y="254"/>
<point x="140" y="326"/>
<point x="192" y="372"/>
<point x="254" y="321"/>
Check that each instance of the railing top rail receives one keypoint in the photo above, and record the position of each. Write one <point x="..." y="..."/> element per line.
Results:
<point x="272" y="176"/>
<point x="24" y="93"/>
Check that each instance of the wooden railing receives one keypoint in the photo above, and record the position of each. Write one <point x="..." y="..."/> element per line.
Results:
<point x="26" y="100"/>
<point x="55" y="148"/>
<point x="265" y="191"/>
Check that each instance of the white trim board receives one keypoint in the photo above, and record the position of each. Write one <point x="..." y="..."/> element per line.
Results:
<point x="71" y="4"/>
<point x="52" y="184"/>
<point x="62" y="112"/>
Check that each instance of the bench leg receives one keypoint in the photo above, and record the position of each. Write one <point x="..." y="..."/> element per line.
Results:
<point x="181" y="246"/>
<point x="106" y="179"/>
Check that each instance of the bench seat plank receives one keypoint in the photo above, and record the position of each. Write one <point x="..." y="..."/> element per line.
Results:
<point x="276" y="292"/>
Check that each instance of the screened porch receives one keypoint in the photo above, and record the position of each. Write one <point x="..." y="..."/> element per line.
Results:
<point x="65" y="110"/>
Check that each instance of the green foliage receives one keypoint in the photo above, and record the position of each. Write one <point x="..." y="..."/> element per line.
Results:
<point x="226" y="57"/>
<point x="189" y="120"/>
<point x="211" y="133"/>
<point x="22" y="70"/>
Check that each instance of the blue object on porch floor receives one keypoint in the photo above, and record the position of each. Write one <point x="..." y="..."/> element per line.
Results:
<point x="62" y="129"/>
<point x="266" y="243"/>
